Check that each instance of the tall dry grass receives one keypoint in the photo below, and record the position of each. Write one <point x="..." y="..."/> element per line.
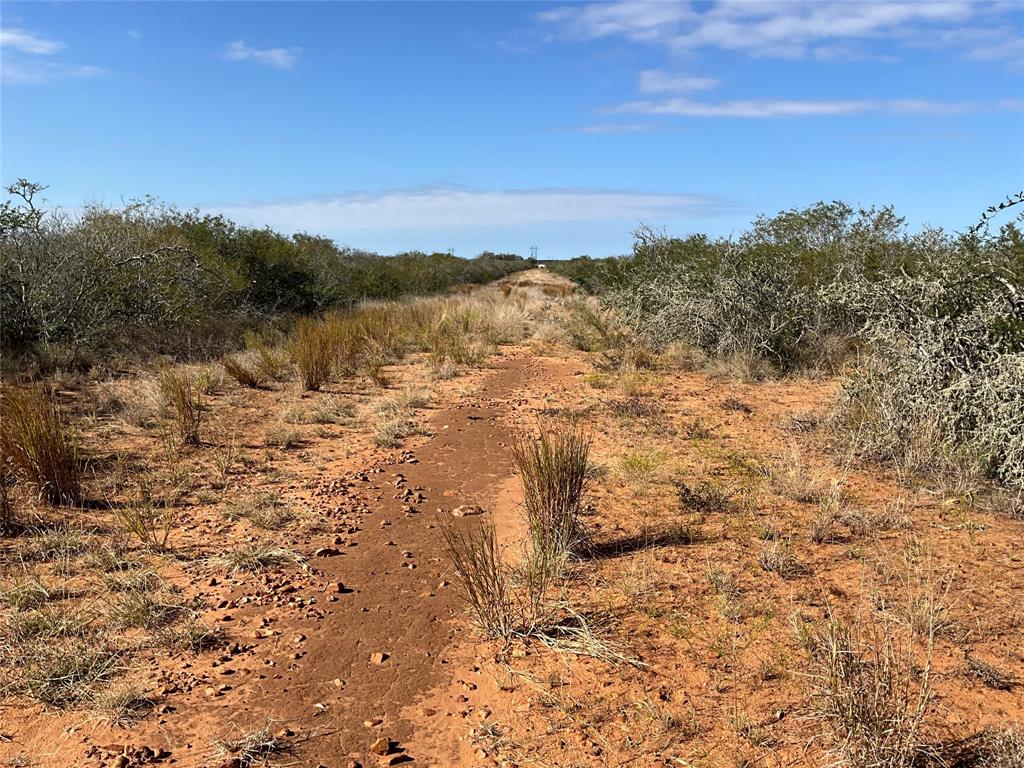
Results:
<point x="180" y="390"/>
<point x="552" y="466"/>
<point x="476" y="557"/>
<point x="874" y="694"/>
<point x="38" y="445"/>
<point x="313" y="353"/>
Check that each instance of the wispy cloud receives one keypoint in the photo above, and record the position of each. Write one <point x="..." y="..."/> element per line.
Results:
<point x="656" y="81"/>
<point x="279" y="58"/>
<point x="28" y="42"/>
<point x="30" y="72"/>
<point x="768" y="108"/>
<point x="26" y="59"/>
<point x="439" y="208"/>
<point x="782" y="29"/>
<point x="615" y="128"/>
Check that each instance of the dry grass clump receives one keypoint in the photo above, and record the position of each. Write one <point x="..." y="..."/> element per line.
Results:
<point x="394" y="417"/>
<point x="266" y="511"/>
<point x="140" y="608"/>
<point x="553" y="469"/>
<point x="191" y="635"/>
<point x="873" y="694"/>
<point x="258" y="556"/>
<point x="313" y="352"/>
<point x="237" y="369"/>
<point x="27" y="593"/>
<point x="837" y="521"/>
<point x="705" y="496"/>
<point x="7" y="519"/>
<point x="255" y="748"/>
<point x="38" y="446"/>
<point x="271" y="364"/>
<point x="477" y="560"/>
<point x="123" y="704"/>
<point x="183" y="394"/>
<point x="61" y="673"/>
<point x="795" y="479"/>
<point x="147" y="520"/>
<point x="283" y="437"/>
<point x="778" y="557"/>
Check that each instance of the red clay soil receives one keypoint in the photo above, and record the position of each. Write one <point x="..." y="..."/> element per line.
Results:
<point x="371" y="640"/>
<point x="333" y="659"/>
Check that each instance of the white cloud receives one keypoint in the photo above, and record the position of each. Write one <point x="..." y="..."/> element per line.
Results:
<point x="1010" y="50"/>
<point x="28" y="42"/>
<point x="780" y="29"/>
<point x="656" y="81"/>
<point x="34" y="72"/>
<point x="452" y="208"/>
<point x="279" y="58"/>
<point x="636" y="20"/>
<point x="767" y="108"/>
<point x="26" y="62"/>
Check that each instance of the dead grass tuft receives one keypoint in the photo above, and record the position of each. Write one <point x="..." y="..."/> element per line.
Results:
<point x="254" y="748"/>
<point x="240" y="372"/>
<point x="38" y="445"/>
<point x="872" y="693"/>
<point x="180" y="390"/>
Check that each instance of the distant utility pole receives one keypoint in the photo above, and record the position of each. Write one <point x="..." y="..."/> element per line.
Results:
<point x="533" y="251"/>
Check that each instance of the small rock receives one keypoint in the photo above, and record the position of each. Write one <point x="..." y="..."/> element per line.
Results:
<point x="381" y="746"/>
<point x="326" y="552"/>
<point x="379" y="657"/>
<point x="466" y="510"/>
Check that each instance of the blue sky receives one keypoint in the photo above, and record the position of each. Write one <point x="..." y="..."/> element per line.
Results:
<point x="490" y="125"/>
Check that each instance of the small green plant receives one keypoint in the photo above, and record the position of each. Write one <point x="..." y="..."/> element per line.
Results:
<point x="38" y="446"/>
<point x="640" y="467"/>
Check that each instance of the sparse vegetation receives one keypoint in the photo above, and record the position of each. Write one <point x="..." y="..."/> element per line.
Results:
<point x="873" y="694"/>
<point x="180" y="391"/>
<point x="240" y="372"/>
<point x="552" y="465"/>
<point x="38" y="445"/>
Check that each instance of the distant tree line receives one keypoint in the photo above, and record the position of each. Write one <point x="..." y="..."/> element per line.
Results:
<point x="148" y="278"/>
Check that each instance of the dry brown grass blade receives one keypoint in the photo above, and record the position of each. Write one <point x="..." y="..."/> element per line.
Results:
<point x="38" y="444"/>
